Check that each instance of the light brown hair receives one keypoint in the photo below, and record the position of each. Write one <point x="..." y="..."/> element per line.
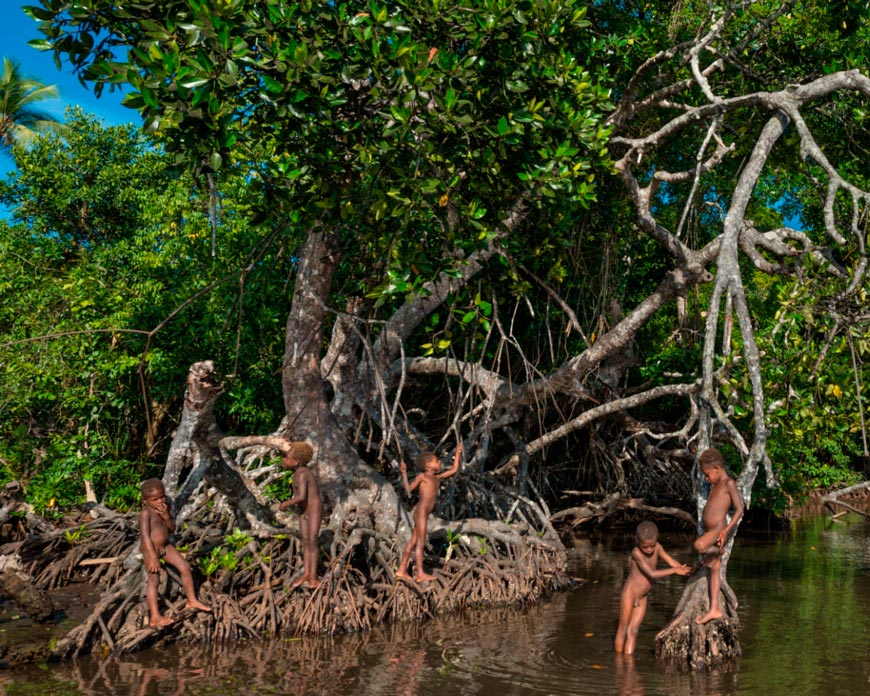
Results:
<point x="301" y="451"/>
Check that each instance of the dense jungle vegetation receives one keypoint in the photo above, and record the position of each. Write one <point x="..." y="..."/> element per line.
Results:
<point x="464" y="163"/>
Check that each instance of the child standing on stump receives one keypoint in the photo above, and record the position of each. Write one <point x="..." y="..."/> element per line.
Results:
<point x="427" y="481"/>
<point x="723" y="497"/>
<point x="306" y="494"/>
<point x="632" y="602"/>
<point x="156" y="524"/>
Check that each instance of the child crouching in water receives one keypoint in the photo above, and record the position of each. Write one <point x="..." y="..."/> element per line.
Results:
<point x="632" y="602"/>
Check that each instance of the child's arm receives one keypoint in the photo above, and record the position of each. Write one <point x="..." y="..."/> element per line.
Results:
<point x="409" y="488"/>
<point x="737" y="504"/>
<point x="679" y="568"/>
<point x="167" y="516"/>
<point x="300" y="491"/>
<point x="149" y="553"/>
<point x="652" y="573"/>
<point x="453" y="469"/>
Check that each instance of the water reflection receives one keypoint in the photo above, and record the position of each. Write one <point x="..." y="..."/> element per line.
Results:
<point x="628" y="681"/>
<point x="805" y="608"/>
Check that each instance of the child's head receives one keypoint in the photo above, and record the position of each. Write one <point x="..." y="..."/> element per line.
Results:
<point x="152" y="487"/>
<point x="713" y="465"/>
<point x="426" y="459"/>
<point x="153" y="494"/>
<point x="711" y="458"/>
<point x="300" y="453"/>
<point x="647" y="533"/>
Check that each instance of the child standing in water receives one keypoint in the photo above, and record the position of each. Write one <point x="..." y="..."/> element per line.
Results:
<point x="306" y="494"/>
<point x="156" y="523"/>
<point x="632" y="602"/>
<point x="427" y="481"/>
<point x="723" y="497"/>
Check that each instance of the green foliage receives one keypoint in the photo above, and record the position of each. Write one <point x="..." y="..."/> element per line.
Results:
<point x="282" y="487"/>
<point x="433" y="117"/>
<point x="226" y="556"/>
<point x="73" y="536"/>
<point x="106" y="241"/>
<point x="410" y="130"/>
<point x="21" y="118"/>
<point x="454" y="539"/>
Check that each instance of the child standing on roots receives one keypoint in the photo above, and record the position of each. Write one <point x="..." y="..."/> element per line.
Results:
<point x="427" y="481"/>
<point x="156" y="523"/>
<point x="632" y="602"/>
<point x="723" y="497"/>
<point x="306" y="494"/>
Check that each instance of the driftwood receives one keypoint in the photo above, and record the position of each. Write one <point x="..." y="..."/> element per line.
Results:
<point x="614" y="503"/>
<point x="833" y="498"/>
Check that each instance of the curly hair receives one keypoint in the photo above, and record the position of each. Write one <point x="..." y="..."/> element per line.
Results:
<point x="301" y="451"/>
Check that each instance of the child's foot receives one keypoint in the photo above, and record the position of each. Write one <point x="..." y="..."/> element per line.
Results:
<point x="160" y="622"/>
<point x="709" y="616"/>
<point x="313" y="584"/>
<point x="404" y="576"/>
<point x="196" y="604"/>
<point x="299" y="582"/>
<point x="424" y="577"/>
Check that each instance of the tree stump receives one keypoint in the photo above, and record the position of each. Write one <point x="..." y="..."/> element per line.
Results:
<point x="16" y="583"/>
<point x="684" y="643"/>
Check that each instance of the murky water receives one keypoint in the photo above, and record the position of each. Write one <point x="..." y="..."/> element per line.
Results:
<point x="805" y="608"/>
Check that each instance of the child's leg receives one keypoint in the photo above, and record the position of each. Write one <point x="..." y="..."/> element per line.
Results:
<point x="706" y="543"/>
<point x="176" y="559"/>
<point x="422" y="523"/>
<point x="402" y="572"/>
<point x="310" y="527"/>
<point x="626" y="604"/>
<point x="637" y="614"/>
<point x="309" y="552"/>
<point x="155" y="619"/>
<point x="714" y="582"/>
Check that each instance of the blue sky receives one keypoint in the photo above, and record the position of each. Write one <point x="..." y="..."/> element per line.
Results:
<point x="16" y="29"/>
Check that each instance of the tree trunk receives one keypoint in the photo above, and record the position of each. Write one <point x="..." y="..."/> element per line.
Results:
<point x="351" y="487"/>
<point x="685" y="643"/>
<point x="196" y="452"/>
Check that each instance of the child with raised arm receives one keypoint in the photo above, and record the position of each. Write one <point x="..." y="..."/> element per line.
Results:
<point x="156" y="523"/>
<point x="427" y="481"/>
<point x="306" y="495"/>
<point x="723" y="497"/>
<point x="632" y="602"/>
